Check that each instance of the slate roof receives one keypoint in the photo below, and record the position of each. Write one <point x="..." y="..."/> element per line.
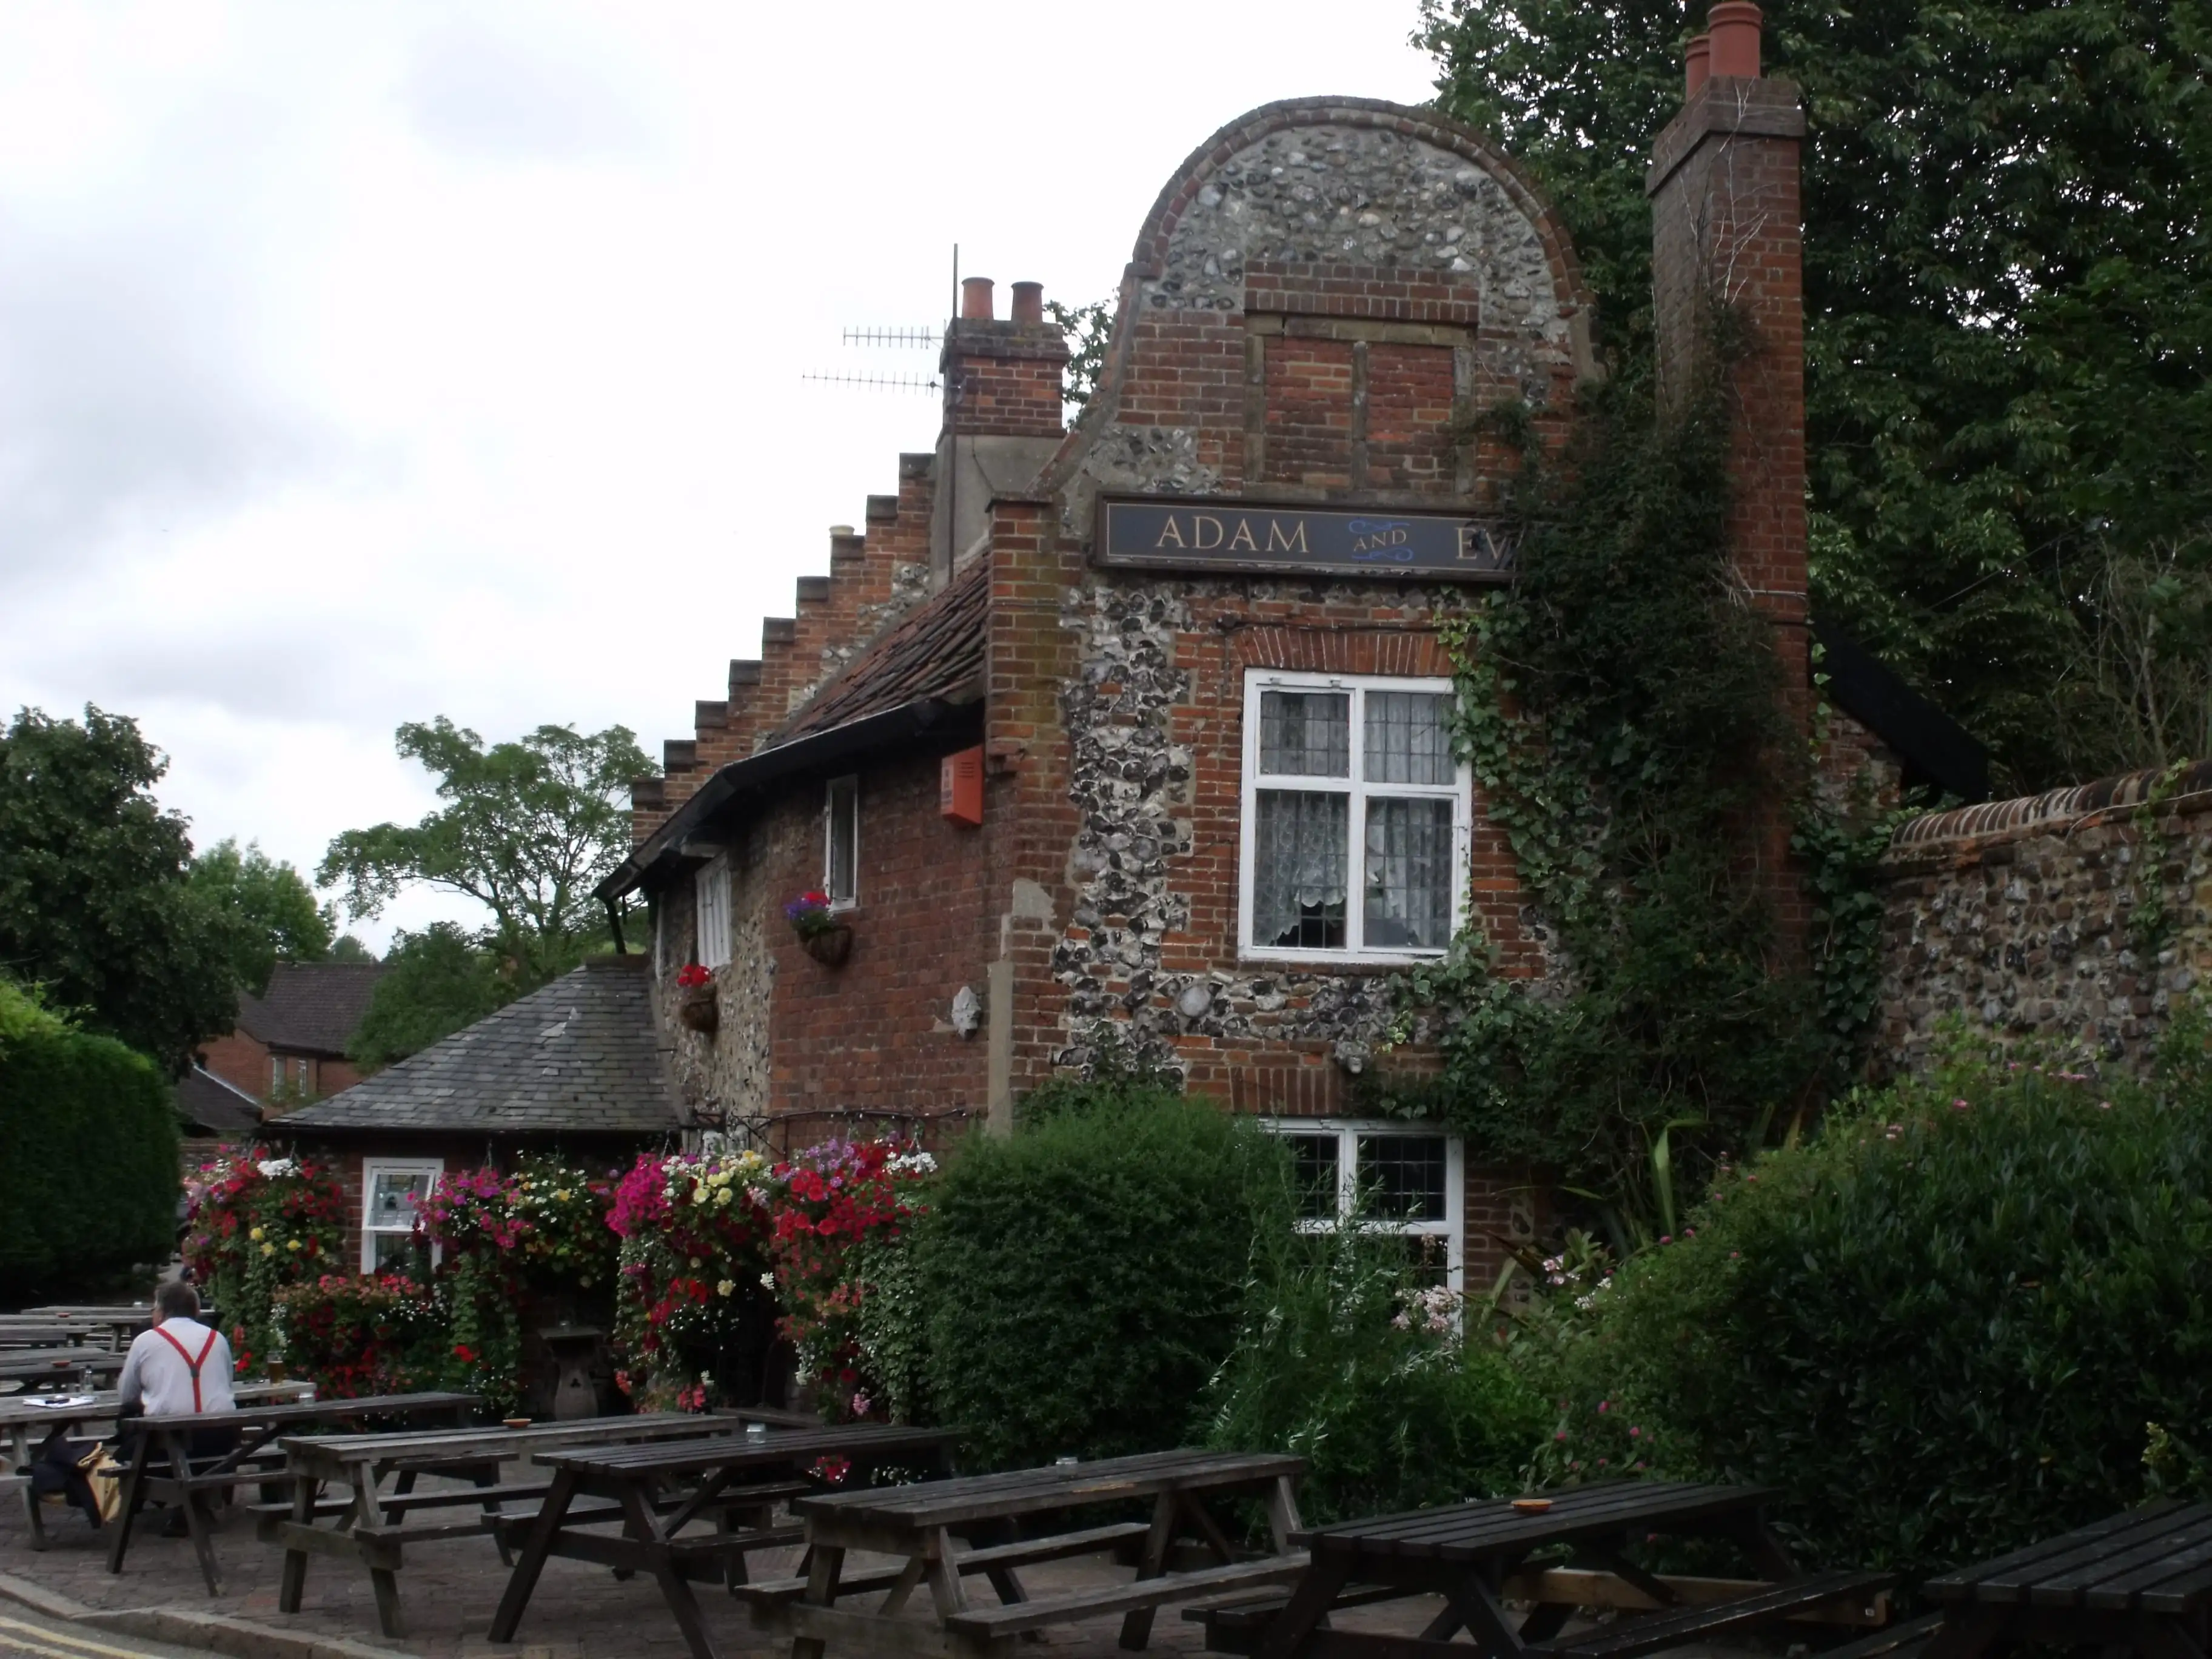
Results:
<point x="205" y="1102"/>
<point x="314" y="1006"/>
<point x="577" y="1057"/>
<point x="935" y="649"/>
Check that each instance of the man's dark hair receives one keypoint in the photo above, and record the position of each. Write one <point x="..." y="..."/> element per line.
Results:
<point x="177" y="1300"/>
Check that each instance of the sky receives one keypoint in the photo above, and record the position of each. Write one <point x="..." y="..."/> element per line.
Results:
<point x="363" y="362"/>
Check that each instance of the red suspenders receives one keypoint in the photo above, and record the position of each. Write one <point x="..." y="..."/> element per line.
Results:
<point x="191" y="1365"/>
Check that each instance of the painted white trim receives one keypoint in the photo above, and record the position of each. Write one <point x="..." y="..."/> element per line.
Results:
<point x="372" y="1167"/>
<point x="710" y="905"/>
<point x="1460" y="792"/>
<point x="1452" y="1229"/>
<point x="850" y="901"/>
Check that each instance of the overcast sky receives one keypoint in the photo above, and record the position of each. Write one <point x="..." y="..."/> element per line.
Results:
<point x="363" y="362"/>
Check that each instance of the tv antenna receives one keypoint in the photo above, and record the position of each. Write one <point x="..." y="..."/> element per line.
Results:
<point x="894" y="336"/>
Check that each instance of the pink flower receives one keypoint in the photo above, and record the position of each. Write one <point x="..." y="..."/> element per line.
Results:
<point x="1605" y="1405"/>
<point x="1960" y="1105"/>
<point x="1636" y="1434"/>
<point x="1561" y="1435"/>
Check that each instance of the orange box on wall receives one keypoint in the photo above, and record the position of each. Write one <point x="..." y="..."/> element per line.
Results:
<point x="960" y="787"/>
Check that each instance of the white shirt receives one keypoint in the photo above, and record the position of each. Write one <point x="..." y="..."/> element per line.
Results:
<point x="155" y="1376"/>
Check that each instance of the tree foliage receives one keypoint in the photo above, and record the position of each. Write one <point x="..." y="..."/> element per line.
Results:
<point x="441" y="979"/>
<point x="273" y="910"/>
<point x="2009" y="294"/>
<point x="528" y="828"/>
<point x="97" y="905"/>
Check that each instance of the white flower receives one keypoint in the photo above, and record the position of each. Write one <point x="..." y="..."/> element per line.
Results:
<point x="768" y="1281"/>
<point x="272" y="1168"/>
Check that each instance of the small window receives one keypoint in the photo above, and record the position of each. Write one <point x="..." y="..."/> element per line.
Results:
<point x="841" y="859"/>
<point x="390" y="1193"/>
<point x="1382" y="1177"/>
<point x="275" y="1074"/>
<point x="1356" y="817"/>
<point x="712" y="889"/>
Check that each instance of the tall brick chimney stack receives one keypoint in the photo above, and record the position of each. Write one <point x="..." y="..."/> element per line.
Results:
<point x="1002" y="412"/>
<point x="1726" y="234"/>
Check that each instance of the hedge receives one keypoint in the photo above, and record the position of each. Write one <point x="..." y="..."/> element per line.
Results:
<point x="88" y="1163"/>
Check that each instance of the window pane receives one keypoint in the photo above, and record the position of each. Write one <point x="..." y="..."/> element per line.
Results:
<point x="844" y="840"/>
<point x="1300" y="855"/>
<point x="1314" y="1158"/>
<point x="1408" y="741"/>
<point x="391" y="1250"/>
<point x="393" y="1196"/>
<point x="1402" y="1177"/>
<point x="1409" y="874"/>
<point x="1305" y="734"/>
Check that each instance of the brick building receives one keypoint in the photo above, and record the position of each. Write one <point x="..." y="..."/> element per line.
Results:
<point x="1138" y="727"/>
<point x="289" y="1044"/>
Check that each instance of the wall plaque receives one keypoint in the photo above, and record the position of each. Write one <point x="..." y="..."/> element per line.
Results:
<point x="1231" y="536"/>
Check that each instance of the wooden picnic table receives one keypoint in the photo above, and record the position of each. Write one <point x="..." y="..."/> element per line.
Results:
<point x="2138" y="1583"/>
<point x="374" y="1523"/>
<point x="37" y="1365"/>
<point x="43" y="1334"/>
<point x="938" y="1530"/>
<point x="111" y="1326"/>
<point x="169" y="1438"/>
<point x="1479" y="1555"/>
<point x="22" y="1414"/>
<point x="731" y="1477"/>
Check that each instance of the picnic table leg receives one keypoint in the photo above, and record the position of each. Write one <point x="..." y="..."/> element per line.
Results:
<point x="384" y="1582"/>
<point x="19" y="1448"/>
<point x="1309" y="1605"/>
<point x="523" y="1579"/>
<point x="134" y="1494"/>
<point x="1137" y="1626"/>
<point x="1485" y="1621"/>
<point x="294" y="1582"/>
<point x="824" y="1563"/>
<point x="640" y="1522"/>
<point x="1283" y="1512"/>
<point x="180" y="1463"/>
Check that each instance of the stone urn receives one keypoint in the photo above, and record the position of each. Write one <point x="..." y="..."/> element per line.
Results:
<point x="829" y="946"/>
<point x="695" y="1007"/>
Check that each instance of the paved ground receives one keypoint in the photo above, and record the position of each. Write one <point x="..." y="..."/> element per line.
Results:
<point x="26" y="1636"/>
<point x="450" y="1590"/>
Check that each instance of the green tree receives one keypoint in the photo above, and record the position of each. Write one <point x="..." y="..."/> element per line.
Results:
<point x="441" y="980"/>
<point x="96" y="901"/>
<point x="2008" y="297"/>
<point x="528" y="829"/>
<point x="274" y="910"/>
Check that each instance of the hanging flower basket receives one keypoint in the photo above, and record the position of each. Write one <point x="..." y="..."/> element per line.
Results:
<point x="830" y="947"/>
<point x="696" y="1003"/>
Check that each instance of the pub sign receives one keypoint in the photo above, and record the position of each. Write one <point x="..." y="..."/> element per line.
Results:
<point x="1238" y="536"/>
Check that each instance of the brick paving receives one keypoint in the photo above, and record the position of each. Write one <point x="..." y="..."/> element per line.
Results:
<point x="450" y="1590"/>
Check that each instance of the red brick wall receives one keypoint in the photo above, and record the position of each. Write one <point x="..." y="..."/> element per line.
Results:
<point x="1309" y="388"/>
<point x="238" y="1060"/>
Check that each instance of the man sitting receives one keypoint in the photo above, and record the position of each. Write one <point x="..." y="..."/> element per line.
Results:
<point x="179" y="1365"/>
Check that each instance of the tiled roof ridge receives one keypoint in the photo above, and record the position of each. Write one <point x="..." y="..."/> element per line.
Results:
<point x="2186" y="789"/>
<point x="937" y="622"/>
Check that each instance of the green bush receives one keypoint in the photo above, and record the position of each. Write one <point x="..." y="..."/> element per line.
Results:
<point x="1945" y="1329"/>
<point x="1082" y="1278"/>
<point x="1346" y="1359"/>
<point x="88" y="1158"/>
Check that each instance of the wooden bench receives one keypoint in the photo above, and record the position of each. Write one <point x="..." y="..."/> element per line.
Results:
<point x="997" y="1559"/>
<point x="1902" y="1640"/>
<point x="1632" y="1637"/>
<point x="1142" y="1596"/>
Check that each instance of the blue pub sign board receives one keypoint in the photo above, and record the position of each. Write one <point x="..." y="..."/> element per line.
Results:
<point x="1238" y="536"/>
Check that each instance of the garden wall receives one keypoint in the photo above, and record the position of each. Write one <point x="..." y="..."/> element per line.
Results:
<point x="2080" y="914"/>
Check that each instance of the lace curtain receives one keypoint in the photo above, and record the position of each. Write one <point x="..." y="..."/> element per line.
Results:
<point x="1409" y="844"/>
<point x="1406" y="741"/>
<point x="1301" y="846"/>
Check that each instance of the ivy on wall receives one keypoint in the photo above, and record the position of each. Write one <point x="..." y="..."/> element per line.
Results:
<point x="1625" y="713"/>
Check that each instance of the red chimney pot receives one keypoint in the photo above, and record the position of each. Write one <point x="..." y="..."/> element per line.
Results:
<point x="1029" y="302"/>
<point x="1733" y="26"/>
<point x="1697" y="64"/>
<point x="976" y="299"/>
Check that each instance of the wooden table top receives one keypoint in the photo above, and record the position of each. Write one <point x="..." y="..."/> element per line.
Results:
<point x="1055" y="1487"/>
<point x="1468" y="1532"/>
<point x="2155" y="1559"/>
<point x="17" y="1408"/>
<point x="309" y="1411"/>
<point x="434" y="1445"/>
<point x="30" y="1363"/>
<point x="744" y="1450"/>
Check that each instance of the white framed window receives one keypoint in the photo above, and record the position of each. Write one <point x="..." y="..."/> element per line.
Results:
<point x="275" y="1074"/>
<point x="1356" y="819"/>
<point x="840" y="844"/>
<point x="390" y="1191"/>
<point x="711" y="889"/>
<point x="1390" y="1177"/>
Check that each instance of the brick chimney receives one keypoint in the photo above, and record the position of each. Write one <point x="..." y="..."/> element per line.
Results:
<point x="1002" y="411"/>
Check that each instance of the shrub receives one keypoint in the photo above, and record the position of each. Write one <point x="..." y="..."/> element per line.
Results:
<point x="88" y="1155"/>
<point x="1945" y="1328"/>
<point x="254" y="1226"/>
<point x="1345" y="1358"/>
<point x="356" y="1334"/>
<point x="1082" y="1278"/>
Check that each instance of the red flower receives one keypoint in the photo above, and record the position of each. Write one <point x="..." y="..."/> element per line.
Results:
<point x="461" y="1352"/>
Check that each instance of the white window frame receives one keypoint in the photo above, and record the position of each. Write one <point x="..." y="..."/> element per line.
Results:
<point x="1452" y="1229"/>
<point x="275" y="1074"/>
<point x="710" y="901"/>
<point x="372" y="1167"/>
<point x="850" y="782"/>
<point x="1460" y="792"/>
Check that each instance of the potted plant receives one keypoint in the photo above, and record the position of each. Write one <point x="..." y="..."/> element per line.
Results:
<point x="821" y="935"/>
<point x="695" y="998"/>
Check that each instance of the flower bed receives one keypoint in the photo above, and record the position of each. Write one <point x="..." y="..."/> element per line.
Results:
<point x="361" y="1333"/>
<point x="253" y="1226"/>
